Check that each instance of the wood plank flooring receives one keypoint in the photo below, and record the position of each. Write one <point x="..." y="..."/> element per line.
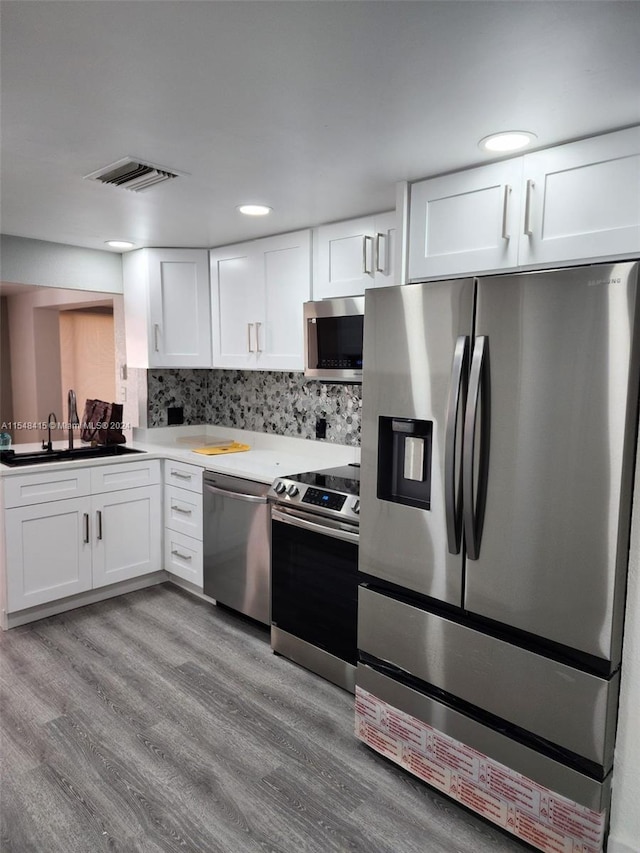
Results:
<point x="155" y="722"/>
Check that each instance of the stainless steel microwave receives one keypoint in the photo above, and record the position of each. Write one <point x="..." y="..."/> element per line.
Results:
<point x="333" y="331"/>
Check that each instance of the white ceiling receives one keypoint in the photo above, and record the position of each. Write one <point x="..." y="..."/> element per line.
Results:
<point x="315" y="108"/>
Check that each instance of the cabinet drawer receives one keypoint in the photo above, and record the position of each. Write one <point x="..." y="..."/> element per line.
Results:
<point x="183" y="556"/>
<point x="43" y="487"/>
<point x="183" y="511"/>
<point x="125" y="475"/>
<point x="183" y="475"/>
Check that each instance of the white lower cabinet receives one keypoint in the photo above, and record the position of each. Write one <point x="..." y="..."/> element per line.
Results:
<point x="48" y="552"/>
<point x="127" y="536"/>
<point x="58" y="548"/>
<point x="183" y="522"/>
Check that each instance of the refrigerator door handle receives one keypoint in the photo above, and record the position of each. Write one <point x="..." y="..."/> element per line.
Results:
<point x="453" y="489"/>
<point x="474" y="501"/>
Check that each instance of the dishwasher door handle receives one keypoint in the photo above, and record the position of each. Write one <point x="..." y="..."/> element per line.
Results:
<point x="240" y="496"/>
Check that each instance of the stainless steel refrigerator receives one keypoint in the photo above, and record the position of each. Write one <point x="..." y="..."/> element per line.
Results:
<point x="500" y="417"/>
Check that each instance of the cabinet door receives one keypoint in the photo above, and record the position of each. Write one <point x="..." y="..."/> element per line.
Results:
<point x="384" y="249"/>
<point x="127" y="530"/>
<point x="582" y="200"/>
<point x="465" y="222"/>
<point x="286" y="263"/>
<point x="48" y="552"/>
<point x="345" y="261"/>
<point x="236" y="305"/>
<point x="180" y="327"/>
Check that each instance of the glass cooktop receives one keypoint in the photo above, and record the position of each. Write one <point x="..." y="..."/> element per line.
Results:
<point x="344" y="479"/>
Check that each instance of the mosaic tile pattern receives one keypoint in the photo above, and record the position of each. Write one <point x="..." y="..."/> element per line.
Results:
<point x="281" y="403"/>
<point x="177" y="387"/>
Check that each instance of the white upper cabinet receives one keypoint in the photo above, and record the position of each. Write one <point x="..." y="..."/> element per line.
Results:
<point x="353" y="255"/>
<point x="167" y="315"/>
<point x="574" y="202"/>
<point x="465" y="222"/>
<point x="582" y="200"/>
<point x="257" y="292"/>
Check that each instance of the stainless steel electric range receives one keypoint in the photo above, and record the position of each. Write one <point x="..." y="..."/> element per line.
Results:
<point x="314" y="571"/>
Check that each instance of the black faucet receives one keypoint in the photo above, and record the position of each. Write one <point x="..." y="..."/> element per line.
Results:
<point x="72" y="417"/>
<point x="48" y="446"/>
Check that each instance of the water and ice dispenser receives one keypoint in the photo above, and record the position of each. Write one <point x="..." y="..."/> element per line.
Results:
<point x="404" y="461"/>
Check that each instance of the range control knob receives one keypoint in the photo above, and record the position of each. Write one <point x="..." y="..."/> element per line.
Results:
<point x="356" y="506"/>
<point x="280" y="488"/>
<point x="292" y="490"/>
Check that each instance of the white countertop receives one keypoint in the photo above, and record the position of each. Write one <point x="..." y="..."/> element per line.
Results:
<point x="269" y="456"/>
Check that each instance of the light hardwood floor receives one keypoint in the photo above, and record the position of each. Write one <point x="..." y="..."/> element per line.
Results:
<point x="157" y="722"/>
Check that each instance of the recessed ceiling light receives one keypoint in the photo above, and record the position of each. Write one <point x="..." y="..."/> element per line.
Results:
<point x="254" y="209"/>
<point x="511" y="140"/>
<point x="119" y="244"/>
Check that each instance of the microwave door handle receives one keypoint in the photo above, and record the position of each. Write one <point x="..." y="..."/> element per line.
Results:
<point x="453" y="484"/>
<point x="476" y="429"/>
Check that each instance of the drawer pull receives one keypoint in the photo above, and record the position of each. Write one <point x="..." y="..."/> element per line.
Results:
<point x="183" y="511"/>
<point x="182" y="556"/>
<point x="181" y="476"/>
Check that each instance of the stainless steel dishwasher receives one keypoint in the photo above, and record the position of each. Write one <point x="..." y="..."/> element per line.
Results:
<point x="237" y="544"/>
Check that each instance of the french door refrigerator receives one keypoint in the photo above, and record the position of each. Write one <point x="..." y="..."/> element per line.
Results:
<point x="499" y="431"/>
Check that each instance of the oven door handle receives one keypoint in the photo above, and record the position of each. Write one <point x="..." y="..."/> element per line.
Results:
<point x="306" y="524"/>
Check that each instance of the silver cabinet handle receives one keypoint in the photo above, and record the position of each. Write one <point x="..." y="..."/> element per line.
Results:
<point x="249" y="327"/>
<point x="258" y="337"/>
<point x="182" y="556"/>
<point x="527" y="208"/>
<point x="474" y="503"/>
<point x="183" y="511"/>
<point x="453" y="487"/>
<point x="85" y="519"/>
<point x="156" y="330"/>
<point x="505" y="212"/>
<point x="306" y="524"/>
<point x="365" y="263"/>
<point x="240" y="496"/>
<point x="380" y="236"/>
<point x="99" y="518"/>
<point x="180" y="476"/>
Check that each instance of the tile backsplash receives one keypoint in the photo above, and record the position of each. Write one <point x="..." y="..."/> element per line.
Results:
<point x="280" y="403"/>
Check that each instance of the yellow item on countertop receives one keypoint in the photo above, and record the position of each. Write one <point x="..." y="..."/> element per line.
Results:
<point x="234" y="447"/>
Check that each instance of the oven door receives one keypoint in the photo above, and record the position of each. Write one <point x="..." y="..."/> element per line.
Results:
<point x="314" y="581"/>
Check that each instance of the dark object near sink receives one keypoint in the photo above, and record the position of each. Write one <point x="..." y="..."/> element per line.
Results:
<point x="11" y="458"/>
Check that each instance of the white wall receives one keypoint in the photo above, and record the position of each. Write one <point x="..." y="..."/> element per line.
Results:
<point x="625" y="806"/>
<point x="24" y="261"/>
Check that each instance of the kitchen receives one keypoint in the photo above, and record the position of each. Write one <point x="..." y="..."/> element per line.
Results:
<point x="46" y="247"/>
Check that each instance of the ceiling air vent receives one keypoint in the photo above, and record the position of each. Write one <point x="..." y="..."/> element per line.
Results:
<point x="132" y="175"/>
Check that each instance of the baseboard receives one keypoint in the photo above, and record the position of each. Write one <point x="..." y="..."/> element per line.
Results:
<point x="41" y="611"/>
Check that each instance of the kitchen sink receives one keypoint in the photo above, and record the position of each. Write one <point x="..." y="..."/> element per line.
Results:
<point x="37" y="457"/>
